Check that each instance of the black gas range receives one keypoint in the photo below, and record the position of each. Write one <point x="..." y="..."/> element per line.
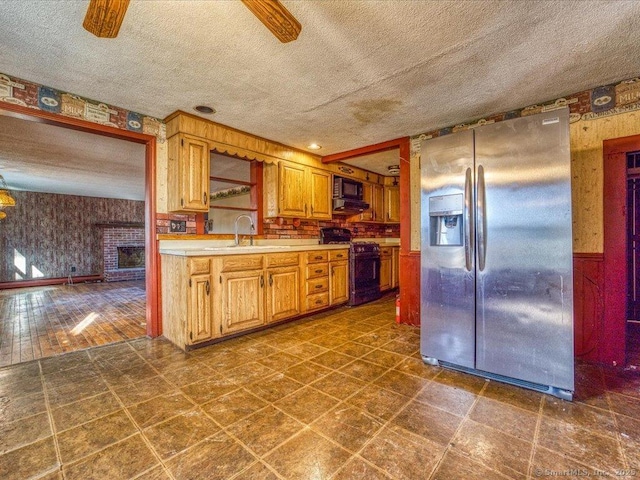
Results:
<point x="364" y="264"/>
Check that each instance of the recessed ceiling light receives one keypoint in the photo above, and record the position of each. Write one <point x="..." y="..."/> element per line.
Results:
<point x="314" y="146"/>
<point x="204" y="109"/>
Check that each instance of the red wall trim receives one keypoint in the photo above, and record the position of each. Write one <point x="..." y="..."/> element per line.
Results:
<point x="378" y="147"/>
<point x="153" y="320"/>
<point x="615" y="247"/>
<point x="49" y="281"/>
<point x="410" y="287"/>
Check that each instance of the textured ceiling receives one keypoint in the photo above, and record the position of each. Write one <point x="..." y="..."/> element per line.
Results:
<point x="361" y="71"/>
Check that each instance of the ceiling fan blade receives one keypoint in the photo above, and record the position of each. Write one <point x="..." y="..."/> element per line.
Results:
<point x="276" y="18"/>
<point x="104" y="17"/>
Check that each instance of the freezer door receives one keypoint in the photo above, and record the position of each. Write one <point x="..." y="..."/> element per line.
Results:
<point x="447" y="280"/>
<point x="524" y="257"/>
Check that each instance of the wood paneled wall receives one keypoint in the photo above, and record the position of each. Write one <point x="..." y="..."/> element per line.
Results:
<point x="54" y="232"/>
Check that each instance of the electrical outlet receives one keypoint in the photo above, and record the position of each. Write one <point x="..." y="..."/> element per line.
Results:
<point x="73" y="269"/>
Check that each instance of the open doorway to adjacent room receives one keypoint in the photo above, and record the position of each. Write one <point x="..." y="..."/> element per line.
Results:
<point x="73" y="257"/>
<point x="633" y="257"/>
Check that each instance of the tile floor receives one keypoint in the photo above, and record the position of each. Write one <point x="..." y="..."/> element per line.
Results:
<point x="38" y="322"/>
<point x="342" y="395"/>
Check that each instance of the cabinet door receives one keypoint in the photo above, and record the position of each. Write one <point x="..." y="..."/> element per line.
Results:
<point x="194" y="166"/>
<point x="283" y="293"/>
<point x="320" y="195"/>
<point x="377" y="203"/>
<point x="200" y="308"/>
<point x="392" y="204"/>
<point x="242" y="300"/>
<point x="339" y="280"/>
<point x="395" y="267"/>
<point x="367" y="196"/>
<point x="385" y="272"/>
<point x="292" y="189"/>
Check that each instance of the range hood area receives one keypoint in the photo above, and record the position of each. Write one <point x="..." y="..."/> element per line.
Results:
<point x="343" y="205"/>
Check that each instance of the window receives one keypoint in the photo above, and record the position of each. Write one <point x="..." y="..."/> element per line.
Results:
<point x="234" y="191"/>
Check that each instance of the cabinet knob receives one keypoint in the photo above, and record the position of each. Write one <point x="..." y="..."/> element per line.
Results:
<point x="261" y="281"/>
<point x="208" y="287"/>
<point x="318" y="302"/>
<point x="270" y="279"/>
<point x="318" y="286"/>
<point x="204" y="197"/>
<point x="319" y="271"/>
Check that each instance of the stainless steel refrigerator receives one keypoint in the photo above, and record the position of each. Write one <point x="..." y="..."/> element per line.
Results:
<point x="496" y="259"/>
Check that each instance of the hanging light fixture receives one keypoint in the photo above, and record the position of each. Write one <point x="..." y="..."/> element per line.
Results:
<point x="6" y="200"/>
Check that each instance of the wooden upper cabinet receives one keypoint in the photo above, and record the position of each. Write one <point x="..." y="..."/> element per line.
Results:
<point x="392" y="204"/>
<point x="292" y="189"/>
<point x="373" y="194"/>
<point x="298" y="191"/>
<point x="188" y="174"/>
<point x="320" y="194"/>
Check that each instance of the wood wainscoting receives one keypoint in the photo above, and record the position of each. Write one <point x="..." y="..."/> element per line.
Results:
<point x="588" y="306"/>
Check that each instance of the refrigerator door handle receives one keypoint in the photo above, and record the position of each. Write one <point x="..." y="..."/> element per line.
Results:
<point x="468" y="221"/>
<point x="482" y="219"/>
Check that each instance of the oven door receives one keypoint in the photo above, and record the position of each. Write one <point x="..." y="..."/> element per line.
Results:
<point x="364" y="281"/>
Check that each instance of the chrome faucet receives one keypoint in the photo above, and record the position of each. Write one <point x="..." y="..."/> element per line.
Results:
<point x="253" y="228"/>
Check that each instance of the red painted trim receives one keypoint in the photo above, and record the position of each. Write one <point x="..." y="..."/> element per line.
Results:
<point x="410" y="288"/>
<point x="154" y="325"/>
<point x="42" y="282"/>
<point x="378" y="147"/>
<point x="152" y="277"/>
<point x="613" y="349"/>
<point x="257" y="193"/>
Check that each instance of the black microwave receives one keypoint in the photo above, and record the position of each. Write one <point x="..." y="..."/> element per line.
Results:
<point x="347" y="188"/>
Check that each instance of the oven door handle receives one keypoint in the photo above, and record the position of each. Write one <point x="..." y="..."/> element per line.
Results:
<point x="376" y="268"/>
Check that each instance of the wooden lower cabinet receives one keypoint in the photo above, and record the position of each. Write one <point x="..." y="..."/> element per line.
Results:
<point x="339" y="279"/>
<point x="199" y="310"/>
<point x="283" y="293"/>
<point x="207" y="297"/>
<point x="187" y="300"/>
<point x="242" y="300"/>
<point x="386" y="259"/>
<point x="395" y="267"/>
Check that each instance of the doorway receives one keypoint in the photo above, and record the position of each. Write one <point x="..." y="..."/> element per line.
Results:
<point x="620" y="337"/>
<point x="147" y="288"/>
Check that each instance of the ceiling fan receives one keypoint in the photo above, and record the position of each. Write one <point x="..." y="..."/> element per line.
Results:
<point x="104" y="18"/>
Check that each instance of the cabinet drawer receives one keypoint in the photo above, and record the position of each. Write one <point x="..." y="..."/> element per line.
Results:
<point x="283" y="259"/>
<point x="318" y="256"/>
<point x="317" y="270"/>
<point x="338" y="255"/>
<point x="242" y="262"/>
<point x="385" y="251"/>
<point x="317" y="285"/>
<point x="318" y="300"/>
<point x="199" y="266"/>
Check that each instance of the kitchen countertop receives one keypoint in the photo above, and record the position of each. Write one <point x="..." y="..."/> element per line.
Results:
<point x="193" y="248"/>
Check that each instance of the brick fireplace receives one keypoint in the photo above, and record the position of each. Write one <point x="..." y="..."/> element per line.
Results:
<point x="123" y="251"/>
